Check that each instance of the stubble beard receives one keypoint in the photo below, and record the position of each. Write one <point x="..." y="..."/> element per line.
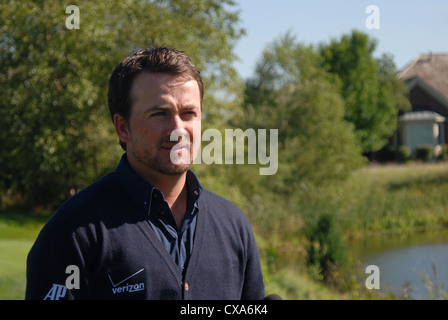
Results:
<point x="153" y="161"/>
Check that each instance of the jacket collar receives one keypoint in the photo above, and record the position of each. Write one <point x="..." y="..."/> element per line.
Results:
<point x="141" y="191"/>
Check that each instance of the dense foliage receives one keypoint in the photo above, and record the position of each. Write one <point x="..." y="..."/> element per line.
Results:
<point x="292" y="93"/>
<point x="372" y="92"/>
<point x="57" y="133"/>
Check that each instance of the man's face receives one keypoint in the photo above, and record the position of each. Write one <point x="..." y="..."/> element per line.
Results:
<point x="162" y="103"/>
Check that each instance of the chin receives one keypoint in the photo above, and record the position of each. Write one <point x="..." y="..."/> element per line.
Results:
<point x="173" y="170"/>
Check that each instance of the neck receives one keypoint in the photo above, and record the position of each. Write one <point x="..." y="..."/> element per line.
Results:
<point x="173" y="187"/>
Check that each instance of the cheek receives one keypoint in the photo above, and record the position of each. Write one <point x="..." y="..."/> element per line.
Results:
<point x="143" y="133"/>
<point x="194" y="129"/>
<point x="195" y="132"/>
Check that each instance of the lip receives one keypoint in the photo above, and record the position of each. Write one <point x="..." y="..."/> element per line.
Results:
<point x="176" y="153"/>
<point x="173" y="149"/>
<point x="176" y="146"/>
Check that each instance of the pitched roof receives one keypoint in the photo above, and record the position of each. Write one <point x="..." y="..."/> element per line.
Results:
<point x="432" y="69"/>
<point x="421" y="116"/>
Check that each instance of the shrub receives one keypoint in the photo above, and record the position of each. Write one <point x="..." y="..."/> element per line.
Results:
<point x="404" y="153"/>
<point x="424" y="153"/>
<point x="443" y="155"/>
<point x="386" y="154"/>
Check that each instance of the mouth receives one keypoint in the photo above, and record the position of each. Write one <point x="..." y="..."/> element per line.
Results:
<point x="179" y="153"/>
<point x="176" y="146"/>
<point x="166" y="147"/>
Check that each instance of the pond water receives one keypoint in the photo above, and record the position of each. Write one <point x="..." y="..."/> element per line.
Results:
<point x="414" y="264"/>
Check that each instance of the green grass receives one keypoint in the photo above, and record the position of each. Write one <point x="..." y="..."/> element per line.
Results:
<point x="12" y="268"/>
<point x="291" y="285"/>
<point x="392" y="198"/>
<point x="17" y="234"/>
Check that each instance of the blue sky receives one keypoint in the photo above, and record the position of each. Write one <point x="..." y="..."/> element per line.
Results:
<point x="407" y="27"/>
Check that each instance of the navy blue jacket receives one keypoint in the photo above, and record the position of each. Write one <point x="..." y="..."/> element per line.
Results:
<point x="103" y="235"/>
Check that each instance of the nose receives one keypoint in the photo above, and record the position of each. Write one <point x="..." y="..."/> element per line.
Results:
<point x="175" y="124"/>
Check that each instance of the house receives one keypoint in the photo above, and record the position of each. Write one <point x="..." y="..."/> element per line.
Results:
<point x="427" y="123"/>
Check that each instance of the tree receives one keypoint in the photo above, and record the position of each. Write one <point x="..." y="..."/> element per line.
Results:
<point x="290" y="92"/>
<point x="372" y="92"/>
<point x="326" y="249"/>
<point x="58" y="136"/>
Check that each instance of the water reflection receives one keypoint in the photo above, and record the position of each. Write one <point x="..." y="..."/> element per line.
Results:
<point x="417" y="261"/>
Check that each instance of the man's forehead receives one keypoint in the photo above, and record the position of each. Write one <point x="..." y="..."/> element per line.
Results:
<point x="157" y="91"/>
<point x="159" y="82"/>
<point x="171" y="80"/>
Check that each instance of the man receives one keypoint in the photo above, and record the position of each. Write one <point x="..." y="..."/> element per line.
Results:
<point x="148" y="230"/>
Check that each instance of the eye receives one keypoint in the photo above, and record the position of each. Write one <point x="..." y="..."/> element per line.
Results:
<point x="189" y="113"/>
<point x="158" y="114"/>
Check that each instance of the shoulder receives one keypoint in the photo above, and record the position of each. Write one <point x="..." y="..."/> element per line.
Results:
<point x="214" y="201"/>
<point x="223" y="211"/>
<point x="101" y="196"/>
<point x="84" y="217"/>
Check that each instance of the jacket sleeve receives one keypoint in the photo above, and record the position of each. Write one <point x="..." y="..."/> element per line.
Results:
<point x="55" y="265"/>
<point x="253" y="288"/>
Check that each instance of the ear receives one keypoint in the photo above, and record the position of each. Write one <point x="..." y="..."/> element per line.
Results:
<point x="121" y="127"/>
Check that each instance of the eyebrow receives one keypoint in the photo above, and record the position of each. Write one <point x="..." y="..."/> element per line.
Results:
<point x="158" y="107"/>
<point x="166" y="107"/>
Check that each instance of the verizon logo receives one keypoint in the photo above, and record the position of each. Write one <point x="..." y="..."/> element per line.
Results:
<point x="129" y="288"/>
<point x="118" y="288"/>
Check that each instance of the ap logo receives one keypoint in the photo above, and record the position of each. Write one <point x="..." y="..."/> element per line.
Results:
<point x="56" y="292"/>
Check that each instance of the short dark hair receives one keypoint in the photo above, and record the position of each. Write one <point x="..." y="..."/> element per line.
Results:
<point x="156" y="60"/>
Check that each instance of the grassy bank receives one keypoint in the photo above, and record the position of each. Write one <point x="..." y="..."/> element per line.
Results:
<point x="392" y="198"/>
<point x="375" y="199"/>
